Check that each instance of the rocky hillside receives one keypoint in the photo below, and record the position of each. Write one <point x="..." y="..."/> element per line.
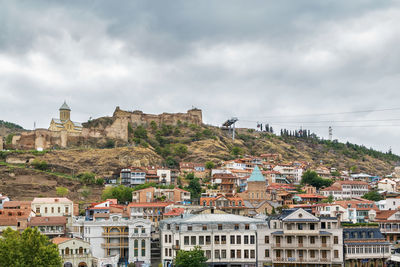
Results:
<point x="168" y="145"/>
<point x="7" y="128"/>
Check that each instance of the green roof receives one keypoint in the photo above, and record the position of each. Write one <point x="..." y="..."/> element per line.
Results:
<point x="256" y="176"/>
<point x="64" y="106"/>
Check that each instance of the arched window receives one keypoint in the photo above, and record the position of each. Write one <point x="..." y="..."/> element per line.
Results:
<point x="135" y="248"/>
<point x="143" y="248"/>
<point x="80" y="250"/>
<point x="67" y="251"/>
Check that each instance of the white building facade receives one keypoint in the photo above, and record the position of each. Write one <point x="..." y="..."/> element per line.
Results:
<point x="109" y="237"/>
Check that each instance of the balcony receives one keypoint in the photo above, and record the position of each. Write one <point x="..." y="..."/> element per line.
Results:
<point x="301" y="232"/>
<point x="115" y="234"/>
<point x="299" y="260"/>
<point x="301" y="245"/>
<point x="115" y="245"/>
<point x="176" y="247"/>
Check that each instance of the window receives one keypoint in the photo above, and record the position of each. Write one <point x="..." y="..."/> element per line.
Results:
<point x="193" y="240"/>
<point x="136" y="230"/>
<point x="232" y="239"/>
<point x="190" y="228"/>
<point x="312" y="226"/>
<point x="216" y="239"/>
<point x="66" y="210"/>
<point x="335" y="240"/>
<point x="238" y="254"/>
<point x="59" y="209"/>
<point x="267" y="253"/>
<point x="52" y="209"/>
<point x="336" y="253"/>
<point x="312" y="239"/>
<point x="177" y="227"/>
<point x="289" y="253"/>
<point x="219" y="226"/>
<point x="201" y="240"/>
<point x="223" y="254"/>
<point x="208" y="254"/>
<point x="232" y="253"/>
<point x="144" y="249"/>
<point x="289" y="240"/>
<point x="300" y="226"/>
<point x="238" y="239"/>
<point x="37" y="210"/>
<point x="236" y="226"/>
<point x="144" y="231"/>
<point x="186" y="240"/>
<point x="208" y="240"/>
<point x="217" y="254"/>
<point x="252" y="253"/>
<point x="45" y="210"/>
<point x="136" y="247"/>
<point x="246" y="253"/>
<point x="223" y="239"/>
<point x="204" y="227"/>
<point x="312" y="253"/>
<point x="166" y="239"/>
<point x="246" y="226"/>
<point x="246" y="239"/>
<point x="252" y="239"/>
<point x="266" y="239"/>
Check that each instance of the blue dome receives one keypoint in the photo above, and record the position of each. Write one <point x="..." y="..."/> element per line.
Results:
<point x="256" y="176"/>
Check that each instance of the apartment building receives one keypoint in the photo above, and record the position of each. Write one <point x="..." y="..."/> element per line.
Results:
<point x="53" y="226"/>
<point x="346" y="189"/>
<point x="365" y="246"/>
<point x="298" y="238"/>
<point x="133" y="176"/>
<point x="228" y="240"/>
<point x="115" y="235"/>
<point x="48" y="207"/>
<point x="153" y="194"/>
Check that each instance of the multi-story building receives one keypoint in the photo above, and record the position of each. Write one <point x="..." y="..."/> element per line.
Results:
<point x="232" y="205"/>
<point x="74" y="252"/>
<point x="153" y="211"/>
<point x="133" y="176"/>
<point x="152" y="194"/>
<point x="389" y="203"/>
<point x="346" y="189"/>
<point x="299" y="238"/>
<point x="228" y="240"/>
<point x="48" y="207"/>
<point x="389" y="224"/>
<point x="128" y="238"/>
<point x="365" y="246"/>
<point x="290" y="172"/>
<point x="53" y="226"/>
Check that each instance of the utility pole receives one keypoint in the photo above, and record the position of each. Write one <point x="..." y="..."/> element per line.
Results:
<point x="330" y="133"/>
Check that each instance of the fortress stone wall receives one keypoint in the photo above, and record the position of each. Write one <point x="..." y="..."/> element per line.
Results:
<point x="90" y="135"/>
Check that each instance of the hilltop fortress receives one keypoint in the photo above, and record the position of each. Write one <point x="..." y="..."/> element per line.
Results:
<point x="64" y="133"/>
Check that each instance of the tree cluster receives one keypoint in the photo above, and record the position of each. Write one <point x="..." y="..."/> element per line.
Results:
<point x="312" y="178"/>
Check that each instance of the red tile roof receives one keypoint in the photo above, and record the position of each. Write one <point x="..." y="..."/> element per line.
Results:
<point x="54" y="220"/>
<point x="150" y="204"/>
<point x="59" y="240"/>
<point x="175" y="212"/>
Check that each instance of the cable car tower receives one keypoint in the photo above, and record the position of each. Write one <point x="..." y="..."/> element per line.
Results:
<point x="230" y="126"/>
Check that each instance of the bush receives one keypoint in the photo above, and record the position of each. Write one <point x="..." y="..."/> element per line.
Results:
<point x="100" y="181"/>
<point x="140" y="132"/>
<point x="40" y="165"/>
<point x="87" y="177"/>
<point x="109" y="143"/>
<point x="62" y="191"/>
<point x="9" y="139"/>
<point x="122" y="193"/>
<point x="236" y="151"/>
<point x="209" y="165"/>
<point x="180" y="150"/>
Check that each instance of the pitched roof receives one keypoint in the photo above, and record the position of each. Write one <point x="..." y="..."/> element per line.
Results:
<point x="59" y="240"/>
<point x="256" y="176"/>
<point x="150" y="204"/>
<point x="384" y="214"/>
<point x="174" y="212"/>
<point x="54" y="220"/>
<point x="50" y="200"/>
<point x="65" y="106"/>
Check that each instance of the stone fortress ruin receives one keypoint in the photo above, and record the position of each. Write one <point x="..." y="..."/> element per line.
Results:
<point x="98" y="130"/>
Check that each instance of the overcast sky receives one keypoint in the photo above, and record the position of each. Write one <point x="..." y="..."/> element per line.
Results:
<point x="266" y="61"/>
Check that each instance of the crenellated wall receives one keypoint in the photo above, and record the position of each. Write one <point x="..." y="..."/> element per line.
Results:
<point x="117" y="128"/>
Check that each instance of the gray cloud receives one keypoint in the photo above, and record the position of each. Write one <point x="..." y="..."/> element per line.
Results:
<point x="253" y="60"/>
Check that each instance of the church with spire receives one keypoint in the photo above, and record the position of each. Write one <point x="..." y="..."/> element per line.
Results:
<point x="64" y="123"/>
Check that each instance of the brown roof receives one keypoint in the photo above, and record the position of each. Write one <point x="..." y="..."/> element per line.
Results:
<point x="384" y="214"/>
<point x="54" y="220"/>
<point x="16" y="204"/>
<point x="8" y="221"/>
<point x="59" y="240"/>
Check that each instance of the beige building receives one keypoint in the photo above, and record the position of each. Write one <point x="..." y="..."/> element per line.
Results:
<point x="74" y="252"/>
<point x="49" y="207"/>
<point x="64" y="123"/>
